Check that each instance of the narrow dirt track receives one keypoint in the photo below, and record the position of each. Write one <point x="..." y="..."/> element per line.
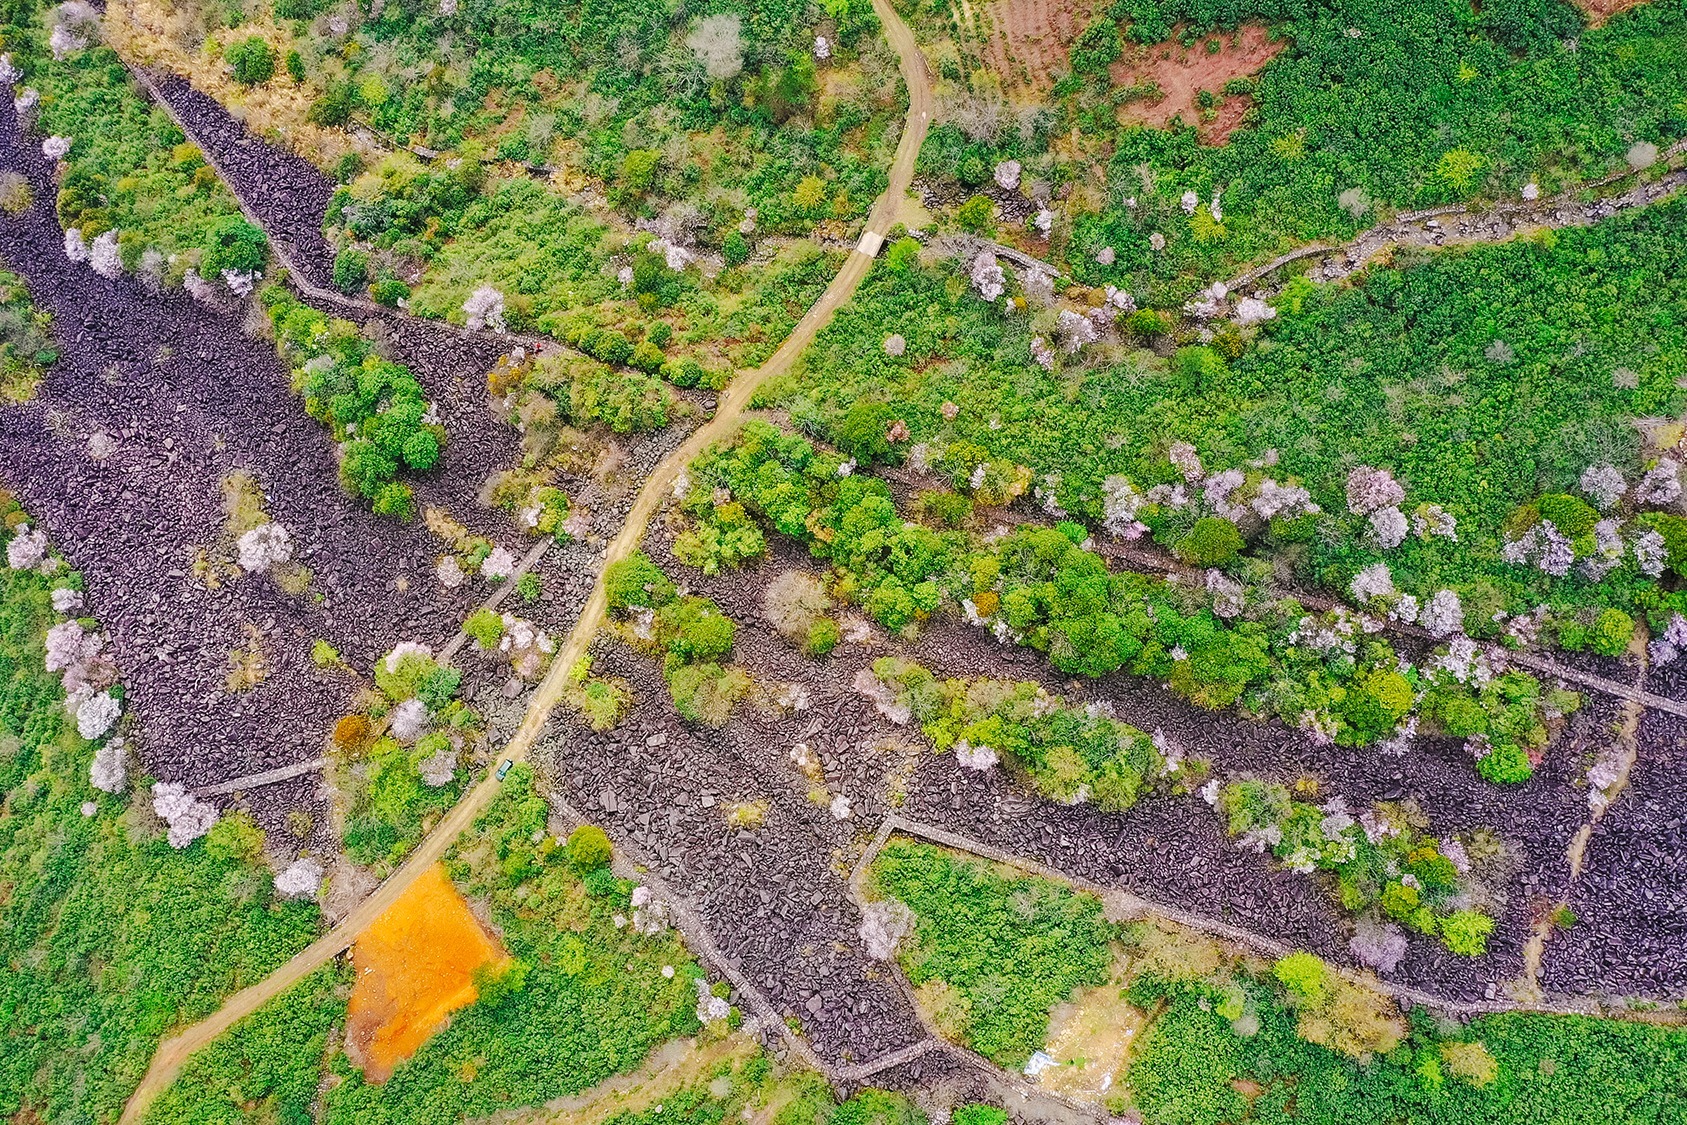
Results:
<point x="173" y="1052"/>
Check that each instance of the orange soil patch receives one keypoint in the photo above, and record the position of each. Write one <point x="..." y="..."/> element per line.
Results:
<point x="1601" y="10"/>
<point x="1180" y="71"/>
<point x="1026" y="41"/>
<point x="415" y="966"/>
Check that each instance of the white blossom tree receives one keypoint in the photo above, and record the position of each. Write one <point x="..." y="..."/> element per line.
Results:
<point x="1444" y="615"/>
<point x="717" y="43"/>
<point x="440" y="767"/>
<point x="27" y="549"/>
<point x="1661" y="484"/>
<point x="109" y="771"/>
<point x="884" y="925"/>
<point x="1432" y="521"/>
<point x="485" y="309"/>
<point x="299" y="879"/>
<point x="266" y="545"/>
<point x="1370" y="488"/>
<point x="75" y="25"/>
<point x="1075" y="331"/>
<point x="1377" y="945"/>
<point x="1389" y="527"/>
<point x="97" y="714"/>
<point x="408" y="720"/>
<point x="1604" y="485"/>
<point x="187" y="817"/>
<point x="450" y="572"/>
<point x="499" y="564"/>
<point x="103" y="257"/>
<point x="987" y="277"/>
<point x="1375" y="581"/>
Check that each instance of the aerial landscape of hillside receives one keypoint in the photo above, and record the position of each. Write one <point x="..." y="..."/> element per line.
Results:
<point x="843" y="562"/>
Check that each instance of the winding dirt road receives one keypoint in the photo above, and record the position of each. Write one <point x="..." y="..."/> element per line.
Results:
<point x="173" y="1052"/>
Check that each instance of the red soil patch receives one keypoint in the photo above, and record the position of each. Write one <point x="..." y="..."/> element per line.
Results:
<point x="1026" y="41"/>
<point x="415" y="966"/>
<point x="1601" y="10"/>
<point x="1180" y="71"/>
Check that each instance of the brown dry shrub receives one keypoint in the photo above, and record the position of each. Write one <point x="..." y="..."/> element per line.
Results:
<point x="353" y="733"/>
<point x="243" y="502"/>
<point x="1355" y="1021"/>
<point x="1472" y="1062"/>
<point x="792" y="603"/>
<point x="15" y="196"/>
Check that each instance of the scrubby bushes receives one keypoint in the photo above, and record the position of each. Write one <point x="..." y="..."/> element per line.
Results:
<point x="27" y="347"/>
<point x="375" y="408"/>
<point x="1219" y="645"/>
<point x="692" y="632"/>
<point x="396" y="784"/>
<point x="797" y="606"/>
<point x="1067" y="753"/>
<point x="585" y="997"/>
<point x="129" y="175"/>
<point x="1094" y="438"/>
<point x="1509" y="1069"/>
<point x="1382" y="860"/>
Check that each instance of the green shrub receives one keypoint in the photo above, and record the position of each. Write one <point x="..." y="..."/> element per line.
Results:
<point x="235" y="245"/>
<point x="389" y="291"/>
<point x="637" y="583"/>
<point x="977" y="215"/>
<point x="1612" y="631"/>
<point x="1304" y="975"/>
<point x="735" y="248"/>
<point x="485" y="627"/>
<point x="351" y="271"/>
<point x="706" y="693"/>
<point x="253" y="61"/>
<point x="823" y="637"/>
<point x="694" y="629"/>
<point x="1013" y="947"/>
<point x="589" y="849"/>
<point x="1211" y="542"/>
<point x="1465" y="932"/>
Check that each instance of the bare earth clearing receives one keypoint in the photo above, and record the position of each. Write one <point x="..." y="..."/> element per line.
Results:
<point x="1179" y="72"/>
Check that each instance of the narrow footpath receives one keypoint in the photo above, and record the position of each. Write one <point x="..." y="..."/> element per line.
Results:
<point x="173" y="1052"/>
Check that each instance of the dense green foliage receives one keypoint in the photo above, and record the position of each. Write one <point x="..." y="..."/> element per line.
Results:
<point x="1068" y="753"/>
<point x="720" y="121"/>
<point x="112" y="938"/>
<point x="1218" y="645"/>
<point x="1012" y="948"/>
<point x="616" y="91"/>
<point x="266" y="1067"/>
<point x="692" y="633"/>
<point x="27" y="347"/>
<point x="1374" y="105"/>
<point x="375" y="407"/>
<point x="1403" y="370"/>
<point x="1528" y="1070"/>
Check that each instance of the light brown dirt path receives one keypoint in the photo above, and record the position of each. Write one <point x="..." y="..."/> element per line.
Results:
<point x="173" y="1052"/>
